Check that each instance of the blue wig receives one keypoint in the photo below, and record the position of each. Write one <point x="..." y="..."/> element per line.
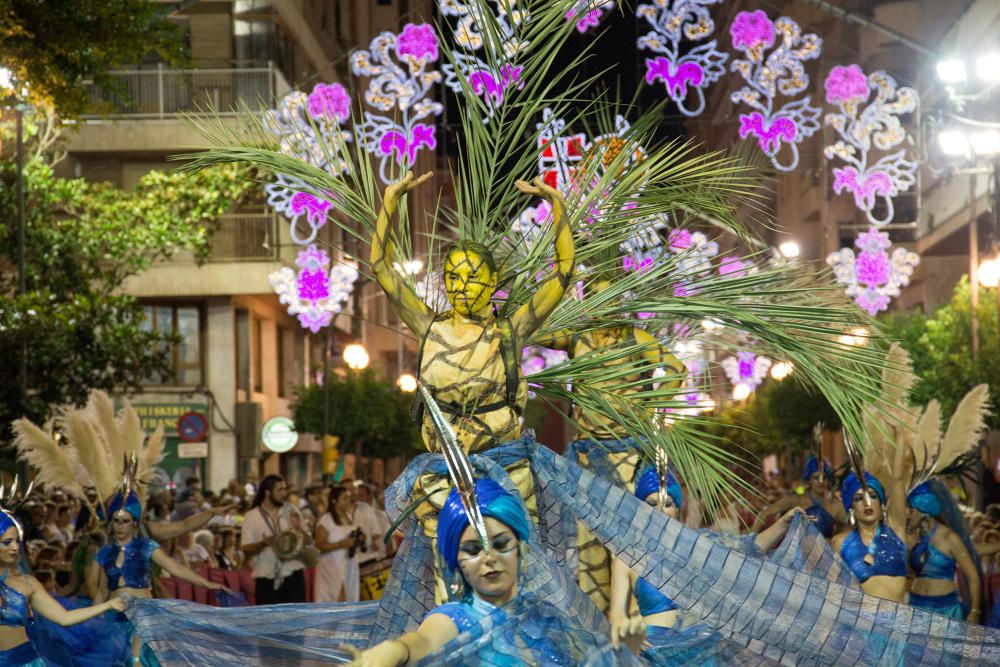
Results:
<point x="923" y="498"/>
<point x="129" y="503"/>
<point x="812" y="467"/>
<point x="648" y="482"/>
<point x="8" y="521"/>
<point x="494" y="501"/>
<point x="851" y="484"/>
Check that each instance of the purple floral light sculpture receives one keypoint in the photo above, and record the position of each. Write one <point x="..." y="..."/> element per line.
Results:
<point x="399" y="79"/>
<point x="316" y="293"/>
<point x="308" y="127"/>
<point x="862" y="128"/>
<point x="685" y="75"/>
<point x="746" y="368"/>
<point x="773" y="65"/>
<point x="873" y="276"/>
<point x="588" y="14"/>
<point x="466" y="71"/>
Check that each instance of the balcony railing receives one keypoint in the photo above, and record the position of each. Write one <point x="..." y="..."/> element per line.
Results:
<point x="245" y="237"/>
<point x="162" y="93"/>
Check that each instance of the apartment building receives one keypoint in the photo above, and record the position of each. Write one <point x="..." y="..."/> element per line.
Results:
<point x="241" y="354"/>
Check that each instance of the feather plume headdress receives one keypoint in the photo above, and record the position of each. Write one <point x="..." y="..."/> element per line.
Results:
<point x="927" y="450"/>
<point x="10" y="501"/>
<point x="94" y="442"/>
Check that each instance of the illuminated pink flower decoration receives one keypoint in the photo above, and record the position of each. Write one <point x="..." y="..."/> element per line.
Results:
<point x="845" y="84"/>
<point x="679" y="239"/>
<point x="873" y="268"/>
<point x="731" y="266"/>
<point x="330" y="101"/>
<point x="418" y="41"/>
<point x="873" y="277"/>
<point x="316" y="293"/>
<point x="752" y="30"/>
<point x="314" y="208"/>
<point x="313" y="285"/>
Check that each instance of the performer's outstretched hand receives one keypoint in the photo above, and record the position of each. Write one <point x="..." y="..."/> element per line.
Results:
<point x="118" y="604"/>
<point x="537" y="187"/>
<point x="396" y="190"/>
<point x="630" y="630"/>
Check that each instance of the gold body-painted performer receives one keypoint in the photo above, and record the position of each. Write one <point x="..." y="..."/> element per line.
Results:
<point x="594" y="573"/>
<point x="461" y="359"/>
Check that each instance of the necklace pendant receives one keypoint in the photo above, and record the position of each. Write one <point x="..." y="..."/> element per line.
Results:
<point x="869" y="559"/>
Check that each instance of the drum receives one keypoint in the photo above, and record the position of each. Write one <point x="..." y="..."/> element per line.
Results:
<point x="374" y="577"/>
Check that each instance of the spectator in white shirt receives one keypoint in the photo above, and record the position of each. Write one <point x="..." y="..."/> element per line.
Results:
<point x="276" y="581"/>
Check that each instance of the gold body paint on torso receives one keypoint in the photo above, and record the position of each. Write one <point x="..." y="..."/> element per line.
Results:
<point x="597" y="426"/>
<point x="462" y="364"/>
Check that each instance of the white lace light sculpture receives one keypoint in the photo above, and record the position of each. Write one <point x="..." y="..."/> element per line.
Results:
<point x="494" y="85"/>
<point x="746" y="368"/>
<point x="316" y="293"/>
<point x="685" y="74"/>
<point x="397" y="67"/>
<point x="769" y="75"/>
<point x="308" y="127"/>
<point x="860" y="129"/>
<point x="873" y="276"/>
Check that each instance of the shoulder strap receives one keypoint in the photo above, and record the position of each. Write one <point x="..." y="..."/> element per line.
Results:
<point x="511" y="361"/>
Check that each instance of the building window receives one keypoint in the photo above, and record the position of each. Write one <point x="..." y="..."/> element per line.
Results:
<point x="184" y="357"/>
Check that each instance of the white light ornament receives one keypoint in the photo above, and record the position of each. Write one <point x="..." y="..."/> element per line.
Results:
<point x="861" y="128"/>
<point x="400" y="78"/>
<point x="316" y="293"/>
<point x="494" y="85"/>
<point x="308" y="127"/>
<point x="746" y="369"/>
<point x="873" y="276"/>
<point x="779" y="72"/>
<point x="686" y="74"/>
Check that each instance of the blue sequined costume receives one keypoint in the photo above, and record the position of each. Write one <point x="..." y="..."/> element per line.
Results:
<point x="822" y="519"/>
<point x="929" y="562"/>
<point x="15" y="612"/>
<point x="800" y="605"/>
<point x="887" y="552"/>
<point x="134" y="572"/>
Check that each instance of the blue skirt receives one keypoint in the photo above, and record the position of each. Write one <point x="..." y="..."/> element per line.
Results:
<point x="22" y="655"/>
<point x="949" y="605"/>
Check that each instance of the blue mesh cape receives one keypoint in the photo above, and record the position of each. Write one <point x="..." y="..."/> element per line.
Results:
<point x="798" y="606"/>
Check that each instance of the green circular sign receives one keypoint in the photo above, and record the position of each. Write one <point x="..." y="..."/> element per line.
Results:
<point x="279" y="434"/>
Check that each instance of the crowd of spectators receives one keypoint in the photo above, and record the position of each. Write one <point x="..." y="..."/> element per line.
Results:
<point x="62" y="534"/>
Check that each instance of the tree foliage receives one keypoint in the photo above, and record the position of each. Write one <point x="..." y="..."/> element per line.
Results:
<point x="53" y="47"/>
<point x="83" y="241"/>
<point x="779" y="415"/>
<point x="364" y="409"/>
<point x="941" y="349"/>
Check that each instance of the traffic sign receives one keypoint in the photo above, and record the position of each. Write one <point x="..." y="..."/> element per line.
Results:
<point x="192" y="450"/>
<point x="279" y="434"/>
<point x="192" y="427"/>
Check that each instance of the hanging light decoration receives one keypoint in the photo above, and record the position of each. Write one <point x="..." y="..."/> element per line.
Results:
<point x="399" y="80"/>
<point x="874" y="275"/>
<point x="686" y="73"/>
<point x="862" y="129"/>
<point x="772" y="65"/>
<point x="315" y="294"/>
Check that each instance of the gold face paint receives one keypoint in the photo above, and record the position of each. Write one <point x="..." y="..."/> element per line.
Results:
<point x="469" y="282"/>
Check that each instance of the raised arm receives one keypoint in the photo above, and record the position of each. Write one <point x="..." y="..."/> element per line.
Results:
<point x="409" y="306"/>
<point x="161" y="531"/>
<point x="180" y="571"/>
<point x="48" y="607"/>
<point x="782" y="505"/>
<point x="896" y="491"/>
<point x="557" y="340"/>
<point x="531" y="315"/>
<point x="772" y="536"/>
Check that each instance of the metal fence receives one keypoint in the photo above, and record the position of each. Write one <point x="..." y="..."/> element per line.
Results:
<point x="161" y="93"/>
<point x="245" y="237"/>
